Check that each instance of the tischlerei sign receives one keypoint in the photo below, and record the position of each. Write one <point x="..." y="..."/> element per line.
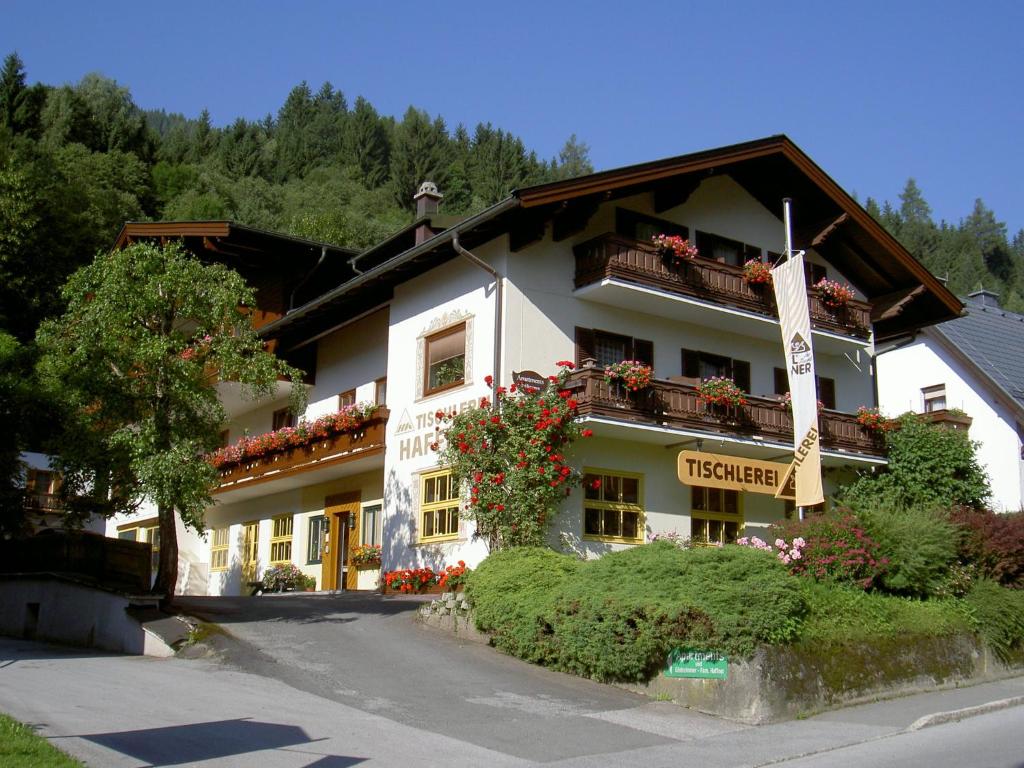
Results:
<point x="734" y="473"/>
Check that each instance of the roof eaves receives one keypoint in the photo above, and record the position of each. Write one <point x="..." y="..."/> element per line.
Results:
<point x="424" y="247"/>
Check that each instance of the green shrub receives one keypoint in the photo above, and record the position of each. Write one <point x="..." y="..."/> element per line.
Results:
<point x="993" y="543"/>
<point x="618" y="617"/>
<point x="512" y="589"/>
<point x="919" y="544"/>
<point x="929" y="466"/>
<point x="999" y="613"/>
<point x="836" y="548"/>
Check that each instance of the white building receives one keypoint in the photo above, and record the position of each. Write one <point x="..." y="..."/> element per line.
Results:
<point x="973" y="364"/>
<point x="565" y="271"/>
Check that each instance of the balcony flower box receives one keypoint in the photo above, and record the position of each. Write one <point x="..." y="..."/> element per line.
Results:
<point x="756" y="272"/>
<point x="834" y="295"/>
<point x="633" y="375"/>
<point x="675" y="249"/>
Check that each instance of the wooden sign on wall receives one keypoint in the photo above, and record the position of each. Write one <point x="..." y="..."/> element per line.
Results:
<point x="734" y="473"/>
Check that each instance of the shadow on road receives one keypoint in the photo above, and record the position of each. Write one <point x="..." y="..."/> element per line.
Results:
<point x="185" y="744"/>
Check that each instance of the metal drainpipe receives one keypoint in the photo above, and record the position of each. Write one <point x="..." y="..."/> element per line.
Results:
<point x="497" y="312"/>
<point x="303" y="281"/>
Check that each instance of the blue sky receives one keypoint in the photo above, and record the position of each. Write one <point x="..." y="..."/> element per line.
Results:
<point x="875" y="92"/>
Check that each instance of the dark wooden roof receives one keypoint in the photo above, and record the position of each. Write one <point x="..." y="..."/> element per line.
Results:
<point x="905" y="296"/>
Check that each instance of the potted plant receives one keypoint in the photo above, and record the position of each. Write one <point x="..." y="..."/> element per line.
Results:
<point x="366" y="555"/>
<point x="285" y="577"/>
<point x="872" y="420"/>
<point x="787" y="403"/>
<point x="631" y="374"/>
<point x="677" y="249"/>
<point x="756" y="272"/>
<point x="311" y="583"/>
<point x="834" y="294"/>
<point x="453" y="577"/>
<point x="409" y="580"/>
<point x="721" y="391"/>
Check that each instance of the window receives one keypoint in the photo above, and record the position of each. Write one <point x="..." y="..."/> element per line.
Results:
<point x="934" y="398"/>
<point x="814" y="273"/>
<point x="281" y="539"/>
<point x="704" y="365"/>
<point x="825" y="386"/>
<point x="608" y="348"/>
<point x="219" y="549"/>
<point x="714" y="515"/>
<point x="639" y="226"/>
<point x="152" y="535"/>
<point x="315" y="543"/>
<point x="439" y="507"/>
<point x="725" y="250"/>
<point x="283" y="417"/>
<point x="371" y="523"/>
<point x="42" y="486"/>
<point x="612" y="506"/>
<point x="445" y="360"/>
<point x="789" y="508"/>
<point x="380" y="391"/>
<point x="346" y="398"/>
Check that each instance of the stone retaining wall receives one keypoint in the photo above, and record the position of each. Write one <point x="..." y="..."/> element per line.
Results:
<point x="781" y="683"/>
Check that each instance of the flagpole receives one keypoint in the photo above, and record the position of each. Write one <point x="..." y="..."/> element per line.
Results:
<point x="788" y="224"/>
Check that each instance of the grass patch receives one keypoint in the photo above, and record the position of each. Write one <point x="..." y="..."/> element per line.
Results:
<point x="840" y="614"/>
<point x="21" y="747"/>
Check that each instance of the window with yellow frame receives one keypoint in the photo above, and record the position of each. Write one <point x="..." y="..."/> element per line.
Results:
<point x="439" y="506"/>
<point x="219" y="549"/>
<point x="613" y="506"/>
<point x="146" y="531"/>
<point x="281" y="539"/>
<point x="715" y="515"/>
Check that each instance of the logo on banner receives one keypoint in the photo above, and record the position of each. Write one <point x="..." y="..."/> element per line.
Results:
<point x="801" y="359"/>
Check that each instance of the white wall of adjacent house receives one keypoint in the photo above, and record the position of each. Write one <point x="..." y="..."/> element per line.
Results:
<point x="539" y="319"/>
<point x="193" y="562"/>
<point x="904" y="373"/>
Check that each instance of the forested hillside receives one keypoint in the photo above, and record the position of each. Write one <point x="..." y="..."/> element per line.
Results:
<point x="975" y="253"/>
<point x="76" y="161"/>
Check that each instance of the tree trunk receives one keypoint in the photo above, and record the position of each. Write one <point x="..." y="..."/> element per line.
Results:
<point x="167" y="568"/>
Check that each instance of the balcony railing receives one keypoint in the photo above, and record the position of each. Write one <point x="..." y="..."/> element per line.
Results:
<point x="675" y="404"/>
<point x="613" y="256"/>
<point x="335" y="448"/>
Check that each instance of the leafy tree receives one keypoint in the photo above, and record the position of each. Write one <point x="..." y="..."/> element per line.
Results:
<point x="929" y="466"/>
<point x="367" y="144"/>
<point x="132" y="358"/>
<point x="574" y="159"/>
<point x="20" y="104"/>
<point x="513" y="460"/>
<point x="419" y="153"/>
<point x="20" y="410"/>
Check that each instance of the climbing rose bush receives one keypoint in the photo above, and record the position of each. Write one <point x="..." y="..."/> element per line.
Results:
<point x="511" y="461"/>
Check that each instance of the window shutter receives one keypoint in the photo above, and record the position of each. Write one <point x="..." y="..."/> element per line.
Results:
<point x="691" y="363"/>
<point x="781" y="381"/>
<point x="741" y="374"/>
<point x="585" y="346"/>
<point x="827" y="392"/>
<point x="644" y="351"/>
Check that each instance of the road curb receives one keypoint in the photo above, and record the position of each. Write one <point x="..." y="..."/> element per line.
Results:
<point x="938" y="718"/>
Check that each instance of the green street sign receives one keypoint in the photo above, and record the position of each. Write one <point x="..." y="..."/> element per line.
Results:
<point x="705" y="665"/>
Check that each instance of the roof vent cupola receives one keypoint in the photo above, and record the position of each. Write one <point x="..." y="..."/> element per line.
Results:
<point x="985" y="298"/>
<point x="427" y="199"/>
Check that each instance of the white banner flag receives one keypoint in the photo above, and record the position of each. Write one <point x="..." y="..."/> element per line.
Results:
<point x="791" y="298"/>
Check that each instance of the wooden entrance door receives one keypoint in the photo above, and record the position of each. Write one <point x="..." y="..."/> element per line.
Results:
<point x="250" y="553"/>
<point x="338" y="510"/>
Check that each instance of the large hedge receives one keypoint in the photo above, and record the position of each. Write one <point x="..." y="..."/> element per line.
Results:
<point x="618" y="617"/>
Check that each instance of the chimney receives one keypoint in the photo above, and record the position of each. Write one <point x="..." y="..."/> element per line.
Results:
<point x="985" y="298"/>
<point x="427" y="200"/>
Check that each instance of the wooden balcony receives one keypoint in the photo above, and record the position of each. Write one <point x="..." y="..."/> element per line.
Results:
<point x="612" y="256"/>
<point x="675" y="404"/>
<point x="329" y="452"/>
<point x="951" y="419"/>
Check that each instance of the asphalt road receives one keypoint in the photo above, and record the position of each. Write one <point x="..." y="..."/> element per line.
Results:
<point x="331" y="681"/>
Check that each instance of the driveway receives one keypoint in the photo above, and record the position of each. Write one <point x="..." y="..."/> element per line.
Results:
<point x="369" y="652"/>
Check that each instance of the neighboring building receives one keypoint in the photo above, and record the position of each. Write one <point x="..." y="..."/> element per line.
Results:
<point x="43" y="507"/>
<point x="565" y="271"/>
<point x="974" y="364"/>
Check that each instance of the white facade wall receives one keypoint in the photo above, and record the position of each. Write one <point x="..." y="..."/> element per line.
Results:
<point x="539" y="319"/>
<point x="904" y="372"/>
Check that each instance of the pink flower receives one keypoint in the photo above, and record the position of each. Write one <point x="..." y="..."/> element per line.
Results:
<point x="780" y="543"/>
